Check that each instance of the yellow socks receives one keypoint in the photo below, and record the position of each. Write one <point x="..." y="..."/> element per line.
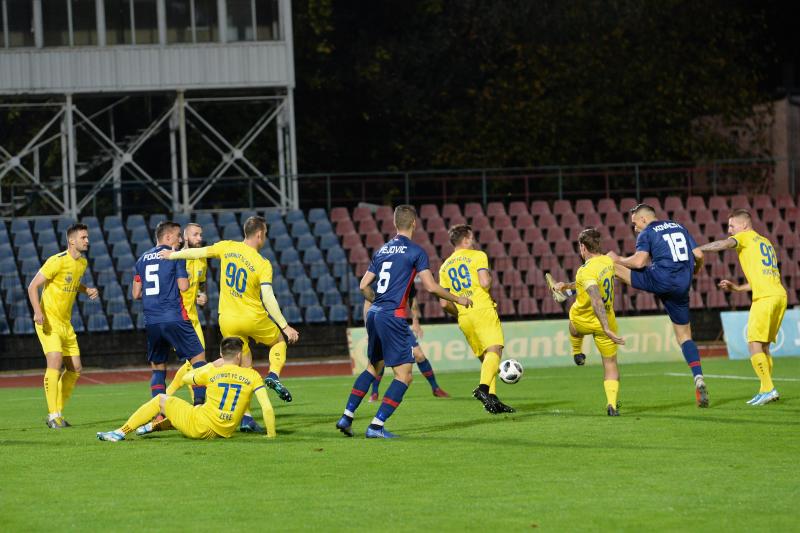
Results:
<point x="277" y="358"/>
<point x="493" y="385"/>
<point x="577" y="344"/>
<point x="65" y="386"/>
<point x="769" y="360"/>
<point x="612" y="389"/>
<point x="142" y="416"/>
<point x="177" y="381"/>
<point x="51" y="377"/>
<point x="489" y="366"/>
<point x="763" y="371"/>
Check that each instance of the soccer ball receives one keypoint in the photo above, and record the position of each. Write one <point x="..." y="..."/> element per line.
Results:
<point x="510" y="371"/>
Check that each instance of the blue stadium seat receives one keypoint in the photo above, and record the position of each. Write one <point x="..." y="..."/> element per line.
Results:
<point x="27" y="251"/>
<point x="225" y="218"/>
<point x="140" y="321"/>
<point x="318" y="269"/>
<point x="280" y="285"/>
<point x="116" y="305"/>
<point x="19" y="309"/>
<point x="323" y="227"/>
<point x="294" y="270"/>
<point x="295" y="215"/>
<point x="8" y="266"/>
<point x="137" y="306"/>
<point x="277" y="229"/>
<point x="285" y="299"/>
<point x="125" y="264"/>
<point x="340" y="269"/>
<point x="155" y="220"/>
<point x="317" y="214"/>
<point x="95" y="236"/>
<point x="348" y="282"/>
<point x="272" y="216"/>
<point x="307" y="298"/>
<point x="46" y="236"/>
<point x="205" y="219"/>
<point x="140" y="234"/>
<point x="23" y="325"/>
<point x="315" y="315"/>
<point x="182" y="219"/>
<point x="102" y="263"/>
<point x="29" y="265"/>
<point x="289" y="255"/>
<point x="292" y="314"/>
<point x="325" y="283"/>
<point x="112" y="222"/>
<point x="357" y="313"/>
<point x="355" y="297"/>
<point x="331" y="297"/>
<point x="6" y="252"/>
<point x="4" y="239"/>
<point x="112" y="291"/>
<point x="91" y="221"/>
<point x="312" y="255"/>
<point x="232" y="232"/>
<point x="43" y="224"/>
<point x="97" y="323"/>
<point x="338" y="313"/>
<point x="49" y="250"/>
<point x="19" y="225"/>
<point x="210" y="234"/>
<point x="97" y="249"/>
<point x="121" y="322"/>
<point x="77" y="321"/>
<point x="306" y="241"/>
<point x="135" y="221"/>
<point x="269" y="255"/>
<point x="106" y="277"/>
<point x="336" y="255"/>
<point x="142" y="247"/>
<point x="244" y="215"/>
<point x="211" y="287"/>
<point x="301" y="284"/>
<point x="283" y="242"/>
<point x="23" y="238"/>
<point x="300" y="228"/>
<point x="116" y="235"/>
<point x="63" y="224"/>
<point x="121" y="248"/>
<point x="4" y="329"/>
<point x="15" y="294"/>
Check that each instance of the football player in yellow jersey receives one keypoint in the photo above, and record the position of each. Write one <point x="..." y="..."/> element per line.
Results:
<point x="192" y="297"/>
<point x="760" y="265"/>
<point x="593" y="312"/>
<point x="245" y="294"/>
<point x="229" y="388"/>
<point x="61" y="277"/>
<point x="466" y="273"/>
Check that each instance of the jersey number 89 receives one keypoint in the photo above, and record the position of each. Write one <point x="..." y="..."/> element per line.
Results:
<point x="460" y="278"/>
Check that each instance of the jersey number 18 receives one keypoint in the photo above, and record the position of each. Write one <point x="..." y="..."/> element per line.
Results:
<point x="678" y="247"/>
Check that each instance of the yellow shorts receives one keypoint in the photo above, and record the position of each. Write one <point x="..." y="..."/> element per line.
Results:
<point x="58" y="337"/>
<point x="764" y="321"/>
<point x="198" y="328"/>
<point x="482" y="329"/>
<point x="260" y="329"/>
<point x="591" y="326"/>
<point x="185" y="418"/>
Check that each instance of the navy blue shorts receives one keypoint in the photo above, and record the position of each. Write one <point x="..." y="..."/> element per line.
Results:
<point x="166" y="335"/>
<point x="389" y="339"/>
<point x="670" y="289"/>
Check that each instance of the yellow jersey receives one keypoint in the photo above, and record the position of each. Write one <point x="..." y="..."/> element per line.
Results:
<point x="228" y="391"/>
<point x="63" y="274"/>
<point x="597" y="271"/>
<point x="242" y="272"/>
<point x="759" y="263"/>
<point x="459" y="274"/>
<point x="196" y="268"/>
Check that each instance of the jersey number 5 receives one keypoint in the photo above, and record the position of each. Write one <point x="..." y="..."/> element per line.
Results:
<point x="678" y="247"/>
<point x="383" y="277"/>
<point x="151" y="276"/>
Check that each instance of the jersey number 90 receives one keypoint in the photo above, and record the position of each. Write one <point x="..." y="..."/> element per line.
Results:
<point x="236" y="278"/>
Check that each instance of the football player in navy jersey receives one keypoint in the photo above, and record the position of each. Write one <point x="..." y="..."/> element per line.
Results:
<point x="666" y="258"/>
<point x="159" y="283"/>
<point x="390" y="341"/>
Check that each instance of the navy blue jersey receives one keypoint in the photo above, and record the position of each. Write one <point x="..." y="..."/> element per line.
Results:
<point x="395" y="265"/>
<point x="161" y="297"/>
<point x="669" y="245"/>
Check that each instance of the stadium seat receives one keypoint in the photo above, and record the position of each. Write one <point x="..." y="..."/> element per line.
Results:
<point x="450" y="211"/>
<point x="294" y="270"/>
<point x="495" y="209"/>
<point x="315" y="315"/>
<point x="435" y="224"/>
<point x="367" y="226"/>
<point x="97" y="323"/>
<point x="301" y="284"/>
<point x="338" y="313"/>
<point x="487" y="236"/>
<point x="331" y="297"/>
<point x="232" y="232"/>
<point x="343" y="227"/>
<point x="327" y="242"/>
<point x="299" y="228"/>
<point x="427" y="211"/>
<point x="740" y="201"/>
<point x="292" y="314"/>
<point x="19" y="225"/>
<point x="351" y="240"/>
<point x="23" y="326"/>
<point x="695" y="204"/>
<point x="561" y="207"/>
<point x="141" y="234"/>
<point x="473" y="209"/>
<point x="317" y="215"/>
<point x="606" y="205"/>
<point x="121" y="322"/>
<point x="98" y="249"/>
<point x="322" y="228"/>
<point x="226" y="218"/>
<point x="154" y="221"/>
<point x="517" y="209"/>
<point x="339" y="213"/>
<point x="584" y="206"/>
<point x="295" y="215"/>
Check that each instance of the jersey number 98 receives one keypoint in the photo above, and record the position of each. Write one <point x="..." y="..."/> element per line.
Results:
<point x="770" y="259"/>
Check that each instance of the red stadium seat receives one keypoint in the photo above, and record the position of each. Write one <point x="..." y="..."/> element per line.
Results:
<point x="564" y="248"/>
<point x="784" y="201"/>
<point x="571" y="264"/>
<point x="629" y="246"/>
<point x="434" y="224"/>
<point x="358" y="255"/>
<point x="440" y="237"/>
<point x="654" y="202"/>
<point x="494" y="209"/>
<point x="621" y="232"/>
<point x="527" y="307"/>
<point x="523" y="221"/>
<point x="387" y="227"/>
<point x="550" y="263"/>
<point x="550" y="307"/>
<point x="339" y="213"/>
<point x="720" y="271"/>
<point x="682" y="217"/>
<point x="451" y="210"/>
<point x="433" y="310"/>
<point x="570" y="219"/>
<point x="498" y="292"/>
<point x="374" y="240"/>
<point x="532" y="235"/>
<point x="456" y="220"/>
<point x="429" y="211"/>
<point x="473" y="209"/>
<point x="718" y="204"/>
<point x="360" y="268"/>
<point x="792" y="216"/>
<point x="762" y="201"/>
<point x="696" y="301"/>
<point x="606" y="205"/>
<point x="740" y="300"/>
<point x="626" y="204"/>
<point x="539" y="208"/>
<point x="367" y="225"/>
<point x="592" y="220"/>
<point x="345" y="226"/>
<point x="609" y="244"/>
<point x="541" y="248"/>
<point x="384" y="212"/>
<point x="573" y="231"/>
<point x="562" y="207"/>
<point x="770" y="215"/>
<point x="526" y="264"/>
<point x="645" y="302"/>
<point x="420" y="237"/>
<point x="673" y="203"/>
<point x="480" y="222"/>
<point x="351" y="240"/>
<point x="502" y="222"/>
<point x="503" y="263"/>
<point x="510" y="235"/>
<point x="704" y="217"/>
<point x="446" y="250"/>
<point x="511" y="277"/>
<point x="361" y="213"/>
<point x="716" y="300"/>
<point x="518" y="208"/>
<point x="555" y="233"/>
<point x="584" y="206"/>
<point x="740" y="201"/>
<point x="486" y="236"/>
<point x="547" y="220"/>
<point x="429" y="249"/>
<point x="495" y="249"/>
<point x="614" y="218"/>
<point x="695" y="204"/>
<point x="519" y="292"/>
<point x="506" y="308"/>
<point x="780" y="229"/>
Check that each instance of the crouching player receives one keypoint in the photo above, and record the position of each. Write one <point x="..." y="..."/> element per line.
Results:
<point x="229" y="388"/>
<point x="593" y="312"/>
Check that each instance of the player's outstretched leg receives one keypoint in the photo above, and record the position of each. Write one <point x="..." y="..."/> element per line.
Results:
<point x="357" y="393"/>
<point x="683" y="333"/>
<point x="576" y="341"/>
<point x="373" y="397"/>
<point x="391" y="401"/>
<point x="611" y="384"/>
<point x="277" y="358"/>
<point x="140" y="417"/>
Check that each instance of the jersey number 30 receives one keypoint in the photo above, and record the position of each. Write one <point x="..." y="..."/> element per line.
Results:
<point x="678" y="247"/>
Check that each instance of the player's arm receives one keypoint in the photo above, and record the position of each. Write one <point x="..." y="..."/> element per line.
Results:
<point x="634" y="262"/>
<point x="366" y="286"/>
<point x="136" y="288"/>
<point x="600" y="312"/>
<point x="699" y="260"/>
<point x="202" y="297"/>
<point x="562" y="286"/>
<point x="274" y="310"/>
<point x="266" y="411"/>
<point x="720" y="245"/>
<point x="729" y="286"/>
<point x="485" y="278"/>
<point x="91" y="292"/>
<point x="449" y="307"/>
<point x="415" y="316"/>
<point x="437" y="290"/>
<point x="33" y="295"/>
<point x="188" y="253"/>
<point x="183" y="284"/>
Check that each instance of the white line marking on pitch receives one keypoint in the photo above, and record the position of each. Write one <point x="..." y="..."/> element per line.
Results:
<point x="725" y="376"/>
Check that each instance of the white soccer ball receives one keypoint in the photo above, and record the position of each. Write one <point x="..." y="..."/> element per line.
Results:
<point x="510" y="371"/>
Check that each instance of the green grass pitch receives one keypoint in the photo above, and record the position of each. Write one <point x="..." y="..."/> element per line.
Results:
<point x="558" y="464"/>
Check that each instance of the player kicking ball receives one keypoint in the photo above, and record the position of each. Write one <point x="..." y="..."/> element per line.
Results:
<point x="394" y="266"/>
<point x="593" y="311"/>
<point x="760" y="265"/>
<point x="673" y="258"/>
<point x="229" y="388"/>
<point x="466" y="274"/>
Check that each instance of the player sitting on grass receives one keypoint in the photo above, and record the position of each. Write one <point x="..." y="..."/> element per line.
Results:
<point x="229" y="388"/>
<point x="466" y="273"/>
<point x="593" y="312"/>
<point x="760" y="265"/>
<point x="674" y="258"/>
<point x="419" y="356"/>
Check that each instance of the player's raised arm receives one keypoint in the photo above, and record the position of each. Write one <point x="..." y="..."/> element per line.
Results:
<point x="729" y="286"/>
<point x="266" y="411"/>
<point x="635" y="261"/>
<point x="434" y="288"/>
<point x="600" y="311"/>
<point x="188" y="253"/>
<point x="699" y="260"/>
<point x="720" y="245"/>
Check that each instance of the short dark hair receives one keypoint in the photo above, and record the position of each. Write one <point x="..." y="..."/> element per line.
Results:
<point x="590" y="238"/>
<point x="458" y="233"/>
<point x="230" y="346"/>
<point x="404" y="216"/>
<point x="164" y="226"/>
<point x="741" y="213"/>
<point x="253" y="225"/>
<point x="643" y="207"/>
<point x="77" y="226"/>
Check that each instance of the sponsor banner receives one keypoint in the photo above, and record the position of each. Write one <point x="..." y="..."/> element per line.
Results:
<point x="787" y="343"/>
<point x="537" y="343"/>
